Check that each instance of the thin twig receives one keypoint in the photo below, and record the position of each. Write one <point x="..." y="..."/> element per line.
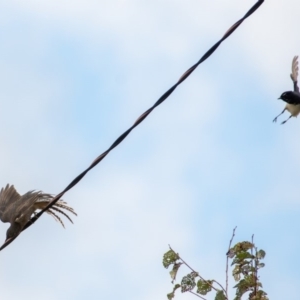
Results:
<point x="183" y="261"/>
<point x="220" y="285"/>
<point x="252" y="241"/>
<point x="255" y="266"/>
<point x="227" y="260"/>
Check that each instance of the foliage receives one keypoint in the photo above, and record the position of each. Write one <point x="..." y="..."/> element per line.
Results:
<point x="246" y="262"/>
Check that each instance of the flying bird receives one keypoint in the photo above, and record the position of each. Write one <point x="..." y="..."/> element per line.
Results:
<point x="17" y="209"/>
<point x="292" y="98"/>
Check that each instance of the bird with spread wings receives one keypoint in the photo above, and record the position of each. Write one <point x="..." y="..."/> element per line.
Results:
<point x="17" y="209"/>
<point x="292" y="98"/>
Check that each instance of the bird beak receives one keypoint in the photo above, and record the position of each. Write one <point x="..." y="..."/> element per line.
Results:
<point x="279" y="98"/>
<point x="7" y="240"/>
<point x="6" y="243"/>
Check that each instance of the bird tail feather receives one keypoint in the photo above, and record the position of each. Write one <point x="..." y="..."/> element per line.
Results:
<point x="295" y="68"/>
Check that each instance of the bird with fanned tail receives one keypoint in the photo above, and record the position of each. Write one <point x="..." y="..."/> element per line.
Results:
<point x="292" y="98"/>
<point x="17" y="209"/>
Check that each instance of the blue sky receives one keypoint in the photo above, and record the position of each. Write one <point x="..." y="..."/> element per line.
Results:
<point x="76" y="74"/>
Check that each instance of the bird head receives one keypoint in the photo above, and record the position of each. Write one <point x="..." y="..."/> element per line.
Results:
<point x="13" y="231"/>
<point x="290" y="97"/>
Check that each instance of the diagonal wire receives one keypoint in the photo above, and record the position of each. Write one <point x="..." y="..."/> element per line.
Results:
<point x="143" y="116"/>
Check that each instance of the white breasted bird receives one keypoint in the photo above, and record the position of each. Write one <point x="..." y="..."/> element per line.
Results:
<point x="292" y="98"/>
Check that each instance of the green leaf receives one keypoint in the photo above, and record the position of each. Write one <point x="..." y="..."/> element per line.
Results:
<point x="241" y="258"/>
<point x="236" y="273"/>
<point x="242" y="287"/>
<point x="174" y="271"/>
<point x="261" y="265"/>
<point x="220" y="296"/>
<point x="243" y="246"/>
<point x="244" y="255"/>
<point x="261" y="254"/>
<point x="169" y="258"/>
<point x="231" y="253"/>
<point x="259" y="295"/>
<point x="204" y="286"/>
<point x="188" y="282"/>
<point x="172" y="295"/>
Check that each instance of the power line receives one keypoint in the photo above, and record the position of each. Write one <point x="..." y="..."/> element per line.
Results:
<point x="143" y="116"/>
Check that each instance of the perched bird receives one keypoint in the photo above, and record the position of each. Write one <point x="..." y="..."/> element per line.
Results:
<point x="292" y="98"/>
<point x="17" y="209"/>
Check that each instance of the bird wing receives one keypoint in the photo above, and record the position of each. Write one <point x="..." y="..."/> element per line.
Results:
<point x="294" y="74"/>
<point x="25" y="206"/>
<point x="9" y="199"/>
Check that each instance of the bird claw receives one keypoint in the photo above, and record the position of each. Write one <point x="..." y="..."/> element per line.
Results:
<point x="283" y="122"/>
<point x="275" y="120"/>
